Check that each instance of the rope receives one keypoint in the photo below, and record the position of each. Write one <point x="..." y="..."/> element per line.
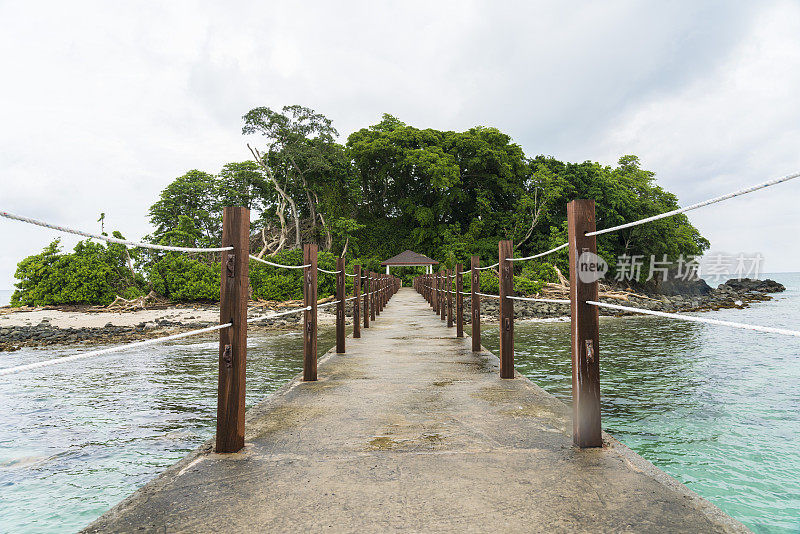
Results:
<point x="699" y="204"/>
<point x="490" y="296"/>
<point x="328" y="272"/>
<point x="82" y="355"/>
<point x="694" y="319"/>
<point x="279" y="264"/>
<point x="487" y="267"/>
<point x="559" y="247"/>
<point x="254" y="319"/>
<point x="106" y="238"/>
<point x="553" y="301"/>
<point x="350" y="275"/>
<point x="331" y="303"/>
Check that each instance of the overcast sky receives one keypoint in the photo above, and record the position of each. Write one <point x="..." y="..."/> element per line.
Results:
<point x="102" y="104"/>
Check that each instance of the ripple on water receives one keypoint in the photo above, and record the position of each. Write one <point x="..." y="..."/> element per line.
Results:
<point x="77" y="438"/>
<point x="717" y="408"/>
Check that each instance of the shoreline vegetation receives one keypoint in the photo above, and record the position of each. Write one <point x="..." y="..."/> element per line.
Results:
<point x="389" y="187"/>
<point x="90" y="325"/>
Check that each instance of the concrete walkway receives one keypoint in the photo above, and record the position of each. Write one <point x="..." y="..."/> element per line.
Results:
<point x="410" y="430"/>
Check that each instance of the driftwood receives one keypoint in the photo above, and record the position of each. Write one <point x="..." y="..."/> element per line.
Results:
<point x="138" y="303"/>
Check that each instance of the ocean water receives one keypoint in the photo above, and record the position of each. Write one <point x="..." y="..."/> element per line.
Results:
<point x="77" y="438"/>
<point x="717" y="408"/>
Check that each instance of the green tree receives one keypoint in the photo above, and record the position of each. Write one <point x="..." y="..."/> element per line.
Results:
<point x="92" y="274"/>
<point x="304" y="165"/>
<point x="197" y="196"/>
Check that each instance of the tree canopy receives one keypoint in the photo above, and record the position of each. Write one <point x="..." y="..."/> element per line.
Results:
<point x="389" y="187"/>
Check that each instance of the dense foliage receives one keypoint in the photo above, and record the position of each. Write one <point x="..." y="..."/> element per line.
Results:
<point x="91" y="274"/>
<point x="390" y="187"/>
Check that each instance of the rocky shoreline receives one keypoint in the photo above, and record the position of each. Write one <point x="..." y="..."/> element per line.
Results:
<point x="732" y="294"/>
<point x="59" y="326"/>
<point x="71" y="325"/>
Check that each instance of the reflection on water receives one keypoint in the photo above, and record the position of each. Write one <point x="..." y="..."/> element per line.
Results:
<point x="77" y="438"/>
<point x="717" y="408"/>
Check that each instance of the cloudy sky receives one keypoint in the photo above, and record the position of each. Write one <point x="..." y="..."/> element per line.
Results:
<point x="103" y="104"/>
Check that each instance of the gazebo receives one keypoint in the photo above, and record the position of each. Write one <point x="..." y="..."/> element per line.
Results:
<point x="410" y="259"/>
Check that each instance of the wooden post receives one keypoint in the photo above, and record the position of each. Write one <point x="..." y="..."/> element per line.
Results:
<point x="449" y="294"/>
<point x="435" y="287"/>
<point x="475" y="303"/>
<point x="459" y="301"/>
<point x="310" y="316"/>
<point x="378" y="293"/>
<point x="442" y="297"/>
<point x="357" y="302"/>
<point x="506" y="250"/>
<point x="340" y="296"/>
<point x="234" y="294"/>
<point x="384" y="292"/>
<point x="367" y="296"/>
<point x="583" y="286"/>
<point x="373" y="286"/>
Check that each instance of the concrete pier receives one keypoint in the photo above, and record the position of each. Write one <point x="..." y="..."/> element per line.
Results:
<point x="410" y="430"/>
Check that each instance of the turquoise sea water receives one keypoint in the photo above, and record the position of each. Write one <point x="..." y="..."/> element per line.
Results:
<point x="719" y="409"/>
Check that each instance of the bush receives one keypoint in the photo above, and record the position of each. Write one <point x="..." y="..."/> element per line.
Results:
<point x="92" y="274"/>
<point x="526" y="286"/>
<point x="543" y="272"/>
<point x="181" y="278"/>
<point x="276" y="283"/>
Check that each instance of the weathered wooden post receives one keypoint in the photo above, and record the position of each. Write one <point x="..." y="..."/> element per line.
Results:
<point x="378" y="293"/>
<point x="234" y="294"/>
<point x="367" y="296"/>
<point x="506" y="250"/>
<point x="442" y="295"/>
<point x="449" y="298"/>
<point x="459" y="300"/>
<point x="475" y="302"/>
<point x="357" y="302"/>
<point x="341" y="295"/>
<point x="435" y="286"/>
<point x="373" y="286"/>
<point x="584" y="276"/>
<point x="310" y="316"/>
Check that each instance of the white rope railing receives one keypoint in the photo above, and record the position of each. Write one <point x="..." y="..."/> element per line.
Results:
<point x="280" y="265"/>
<point x="327" y="272"/>
<point x="699" y="204"/>
<point x="82" y="355"/>
<point x="487" y="295"/>
<point x="487" y="267"/>
<point x="326" y="304"/>
<point x="559" y="247"/>
<point x="531" y="299"/>
<point x="694" y="319"/>
<point x="106" y="238"/>
<point x="272" y="316"/>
